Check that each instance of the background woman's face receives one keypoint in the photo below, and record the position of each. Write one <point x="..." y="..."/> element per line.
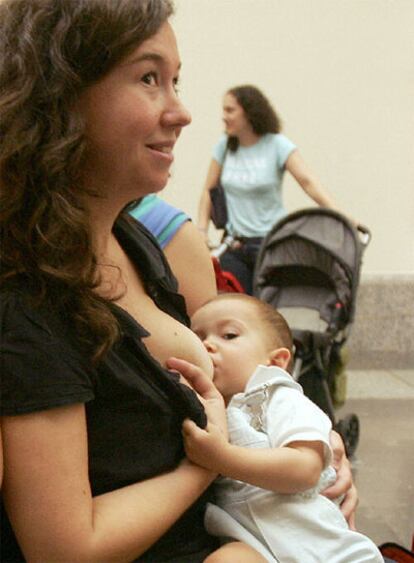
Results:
<point x="234" y="118"/>
<point x="133" y="119"/>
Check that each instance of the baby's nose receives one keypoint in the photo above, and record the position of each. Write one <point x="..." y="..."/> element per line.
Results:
<point x="209" y="345"/>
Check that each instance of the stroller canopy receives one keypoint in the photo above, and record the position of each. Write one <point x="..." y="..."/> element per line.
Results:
<point x="311" y="259"/>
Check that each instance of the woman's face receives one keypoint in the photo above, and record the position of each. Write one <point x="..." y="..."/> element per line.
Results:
<point x="234" y="118"/>
<point x="133" y="119"/>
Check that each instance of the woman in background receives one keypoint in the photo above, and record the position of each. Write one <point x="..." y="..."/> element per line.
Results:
<point x="250" y="160"/>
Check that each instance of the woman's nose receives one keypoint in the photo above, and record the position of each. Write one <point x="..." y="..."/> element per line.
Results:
<point x="176" y="114"/>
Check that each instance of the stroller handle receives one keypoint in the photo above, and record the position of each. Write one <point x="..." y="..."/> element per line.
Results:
<point x="364" y="234"/>
<point x="218" y="251"/>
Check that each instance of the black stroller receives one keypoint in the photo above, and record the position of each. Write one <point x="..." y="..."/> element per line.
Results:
<point x="308" y="268"/>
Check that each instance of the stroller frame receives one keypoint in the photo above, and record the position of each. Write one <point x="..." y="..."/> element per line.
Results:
<point x="309" y="267"/>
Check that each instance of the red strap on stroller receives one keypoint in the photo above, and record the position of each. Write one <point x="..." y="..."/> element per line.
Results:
<point x="226" y="282"/>
<point x="396" y="552"/>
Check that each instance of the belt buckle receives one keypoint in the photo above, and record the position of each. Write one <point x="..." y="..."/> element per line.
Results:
<point x="237" y="243"/>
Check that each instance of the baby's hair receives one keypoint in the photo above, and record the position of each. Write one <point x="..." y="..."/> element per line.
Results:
<point x="275" y="324"/>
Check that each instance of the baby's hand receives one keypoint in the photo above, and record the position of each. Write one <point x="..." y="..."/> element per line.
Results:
<point x="209" y="396"/>
<point x="205" y="447"/>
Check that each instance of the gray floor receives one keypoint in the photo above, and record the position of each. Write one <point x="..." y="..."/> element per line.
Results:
<point x="383" y="464"/>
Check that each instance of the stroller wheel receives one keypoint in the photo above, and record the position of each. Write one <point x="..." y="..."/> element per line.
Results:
<point x="348" y="428"/>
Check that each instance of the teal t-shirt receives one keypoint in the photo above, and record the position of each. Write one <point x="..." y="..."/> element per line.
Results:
<point x="160" y="218"/>
<point x="252" y="180"/>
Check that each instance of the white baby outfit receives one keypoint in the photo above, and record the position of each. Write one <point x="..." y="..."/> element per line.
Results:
<point x="287" y="528"/>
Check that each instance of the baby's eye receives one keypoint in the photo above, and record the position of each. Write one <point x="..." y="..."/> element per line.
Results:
<point x="150" y="78"/>
<point x="230" y="335"/>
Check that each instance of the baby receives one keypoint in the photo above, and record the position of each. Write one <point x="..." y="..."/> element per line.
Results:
<point x="278" y="456"/>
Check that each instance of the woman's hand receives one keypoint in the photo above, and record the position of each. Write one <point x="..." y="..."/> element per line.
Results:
<point x="343" y="485"/>
<point x="209" y="396"/>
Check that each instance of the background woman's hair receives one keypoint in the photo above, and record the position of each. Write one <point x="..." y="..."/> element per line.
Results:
<point x="50" y="51"/>
<point x="258" y="110"/>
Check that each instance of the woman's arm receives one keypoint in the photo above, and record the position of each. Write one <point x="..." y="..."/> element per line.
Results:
<point x="288" y="469"/>
<point x="49" y="501"/>
<point x="213" y="176"/>
<point x="308" y="181"/>
<point x="191" y="263"/>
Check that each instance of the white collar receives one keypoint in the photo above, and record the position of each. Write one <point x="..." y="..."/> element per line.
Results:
<point x="270" y="375"/>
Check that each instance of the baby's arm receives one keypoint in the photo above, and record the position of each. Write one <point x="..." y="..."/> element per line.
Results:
<point x="288" y="469"/>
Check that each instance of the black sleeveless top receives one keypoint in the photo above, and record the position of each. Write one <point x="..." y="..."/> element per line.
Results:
<point x="134" y="406"/>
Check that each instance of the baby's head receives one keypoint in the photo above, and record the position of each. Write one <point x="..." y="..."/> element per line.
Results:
<point x="240" y="332"/>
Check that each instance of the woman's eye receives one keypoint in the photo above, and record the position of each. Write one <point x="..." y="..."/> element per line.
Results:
<point x="150" y="78"/>
<point x="176" y="85"/>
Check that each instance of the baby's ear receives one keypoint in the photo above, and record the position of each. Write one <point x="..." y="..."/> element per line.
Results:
<point x="279" y="357"/>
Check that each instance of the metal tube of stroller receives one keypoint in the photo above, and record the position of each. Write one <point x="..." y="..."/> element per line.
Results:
<point x="221" y="249"/>
<point x="297" y="366"/>
<point x="364" y="234"/>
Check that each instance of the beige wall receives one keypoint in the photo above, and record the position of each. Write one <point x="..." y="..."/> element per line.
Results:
<point x="340" y="73"/>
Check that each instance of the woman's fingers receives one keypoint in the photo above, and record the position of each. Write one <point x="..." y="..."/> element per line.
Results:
<point x="343" y="485"/>
<point x="338" y="449"/>
<point x="349" y="505"/>
<point x="351" y="521"/>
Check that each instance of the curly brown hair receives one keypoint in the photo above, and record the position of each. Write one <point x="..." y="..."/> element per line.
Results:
<point x="50" y="51"/>
<point x="258" y="110"/>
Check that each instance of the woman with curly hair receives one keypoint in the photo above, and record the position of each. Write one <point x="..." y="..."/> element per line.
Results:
<point x="250" y="160"/>
<point x="94" y="465"/>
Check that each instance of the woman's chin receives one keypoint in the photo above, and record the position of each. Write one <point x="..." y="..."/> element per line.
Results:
<point x="155" y="186"/>
<point x="158" y="189"/>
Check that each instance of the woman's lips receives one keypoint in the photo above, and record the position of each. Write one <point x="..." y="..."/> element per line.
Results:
<point x="162" y="150"/>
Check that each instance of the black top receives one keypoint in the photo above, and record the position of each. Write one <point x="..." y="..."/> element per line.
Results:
<point x="134" y="406"/>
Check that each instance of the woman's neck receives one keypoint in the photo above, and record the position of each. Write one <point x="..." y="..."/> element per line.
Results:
<point x="248" y="138"/>
<point x="110" y="257"/>
<point x="102" y="214"/>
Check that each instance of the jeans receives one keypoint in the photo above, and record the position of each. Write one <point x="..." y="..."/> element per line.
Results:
<point x="241" y="261"/>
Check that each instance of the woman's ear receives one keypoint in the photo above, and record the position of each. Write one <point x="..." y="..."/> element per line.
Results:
<point x="279" y="357"/>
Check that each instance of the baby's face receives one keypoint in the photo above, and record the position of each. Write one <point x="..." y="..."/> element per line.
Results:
<point x="235" y="341"/>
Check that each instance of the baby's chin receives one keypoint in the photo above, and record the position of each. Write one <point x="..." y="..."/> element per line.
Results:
<point x="209" y="369"/>
<point x="210" y="373"/>
<point x="216" y="381"/>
